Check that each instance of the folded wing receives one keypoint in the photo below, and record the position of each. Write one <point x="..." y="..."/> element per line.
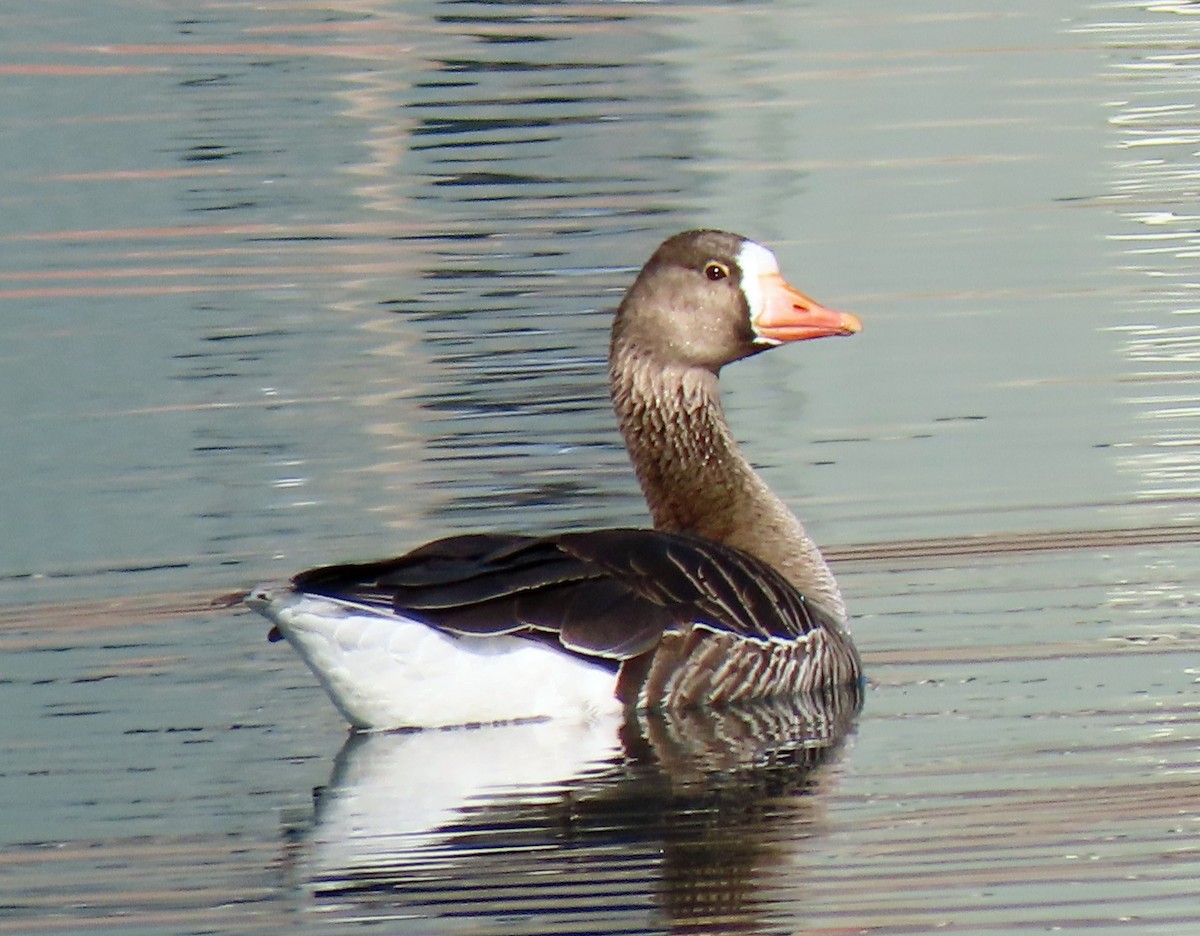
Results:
<point x="607" y="594"/>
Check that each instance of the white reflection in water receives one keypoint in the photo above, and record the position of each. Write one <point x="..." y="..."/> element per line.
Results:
<point x="542" y="820"/>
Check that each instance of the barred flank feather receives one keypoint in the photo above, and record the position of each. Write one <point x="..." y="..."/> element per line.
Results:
<point x="708" y="666"/>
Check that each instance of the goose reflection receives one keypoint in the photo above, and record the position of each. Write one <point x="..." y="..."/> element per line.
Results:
<point x="679" y="820"/>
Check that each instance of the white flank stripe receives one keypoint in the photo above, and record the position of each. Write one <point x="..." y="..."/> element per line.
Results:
<point x="385" y="671"/>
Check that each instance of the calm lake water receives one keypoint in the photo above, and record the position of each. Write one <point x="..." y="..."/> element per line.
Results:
<point x="288" y="283"/>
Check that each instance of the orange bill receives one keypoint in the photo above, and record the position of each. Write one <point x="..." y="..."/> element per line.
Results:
<point x="789" y="315"/>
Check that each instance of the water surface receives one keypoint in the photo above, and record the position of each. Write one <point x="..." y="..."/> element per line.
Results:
<point x="285" y="284"/>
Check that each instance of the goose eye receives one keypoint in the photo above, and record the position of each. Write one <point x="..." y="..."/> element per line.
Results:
<point x="716" y="271"/>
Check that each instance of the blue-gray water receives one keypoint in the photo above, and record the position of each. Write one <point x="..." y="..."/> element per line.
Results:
<point x="284" y="283"/>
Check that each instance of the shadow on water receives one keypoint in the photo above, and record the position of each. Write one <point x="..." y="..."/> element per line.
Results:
<point x="668" y="818"/>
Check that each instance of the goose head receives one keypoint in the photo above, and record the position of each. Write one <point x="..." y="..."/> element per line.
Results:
<point x="708" y="298"/>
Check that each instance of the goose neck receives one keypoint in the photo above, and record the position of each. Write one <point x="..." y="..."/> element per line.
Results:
<point x="695" y="478"/>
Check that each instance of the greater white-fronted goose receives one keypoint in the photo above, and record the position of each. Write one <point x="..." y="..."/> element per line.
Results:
<point x="726" y="600"/>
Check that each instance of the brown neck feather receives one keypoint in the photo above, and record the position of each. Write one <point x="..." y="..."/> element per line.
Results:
<point x="695" y="478"/>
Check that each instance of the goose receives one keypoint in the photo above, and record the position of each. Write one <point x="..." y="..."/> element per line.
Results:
<point x="726" y="600"/>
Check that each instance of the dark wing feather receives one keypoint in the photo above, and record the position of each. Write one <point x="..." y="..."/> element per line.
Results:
<point x="702" y="580"/>
<point x="609" y="619"/>
<point x="456" y="572"/>
<point x="607" y="593"/>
